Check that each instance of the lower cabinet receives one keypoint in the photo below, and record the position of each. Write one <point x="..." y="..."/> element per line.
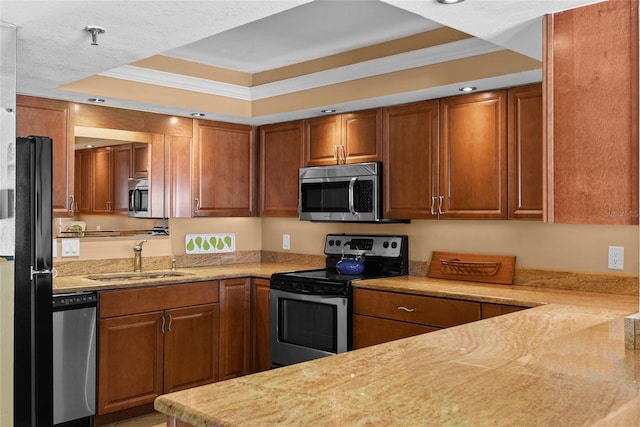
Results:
<point x="381" y="316"/>
<point x="260" y="335"/>
<point x="153" y="341"/>
<point x="235" y="328"/>
<point x="493" y="310"/>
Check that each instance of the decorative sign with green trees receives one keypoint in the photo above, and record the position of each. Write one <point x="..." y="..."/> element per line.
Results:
<point x="210" y="243"/>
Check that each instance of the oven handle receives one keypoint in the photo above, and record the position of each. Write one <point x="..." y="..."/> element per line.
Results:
<point x="315" y="295"/>
<point x="352" y="207"/>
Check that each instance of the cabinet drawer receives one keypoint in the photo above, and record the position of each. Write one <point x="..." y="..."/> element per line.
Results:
<point x="369" y="331"/>
<point x="493" y="310"/>
<point x="441" y="312"/>
<point x="141" y="300"/>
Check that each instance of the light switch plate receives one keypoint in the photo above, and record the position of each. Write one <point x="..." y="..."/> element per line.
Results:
<point x="70" y="247"/>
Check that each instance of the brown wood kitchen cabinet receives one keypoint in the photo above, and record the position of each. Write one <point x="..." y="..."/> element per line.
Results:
<point x="447" y="158"/>
<point x="492" y="310"/>
<point x="280" y="159"/>
<point x="410" y="160"/>
<point x="591" y="112"/>
<point x="224" y="159"/>
<point x="343" y="138"/>
<point x="102" y="180"/>
<point x="381" y="316"/>
<point x="525" y="136"/>
<point x="473" y="155"/>
<point x="52" y="118"/>
<point x="260" y="332"/>
<point x="235" y="328"/>
<point x="154" y="340"/>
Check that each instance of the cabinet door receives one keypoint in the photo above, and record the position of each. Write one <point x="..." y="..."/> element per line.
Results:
<point x="140" y="160"/>
<point x="122" y="164"/>
<point x="235" y="328"/>
<point x="261" y="344"/>
<point x="362" y="136"/>
<point x="178" y="196"/>
<point x="368" y="331"/>
<point x="410" y="160"/>
<point x="130" y="361"/>
<point x="102" y="180"/>
<point x="473" y="155"/>
<point x="525" y="152"/>
<point x="321" y="140"/>
<point x="280" y="159"/>
<point x="591" y="78"/>
<point x="191" y="347"/>
<point x="83" y="181"/>
<point x="225" y="169"/>
<point x="45" y="117"/>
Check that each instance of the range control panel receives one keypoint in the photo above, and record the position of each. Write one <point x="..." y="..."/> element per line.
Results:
<point x="378" y="245"/>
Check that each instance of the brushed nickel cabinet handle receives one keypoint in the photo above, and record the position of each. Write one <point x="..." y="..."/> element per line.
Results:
<point x="170" y="323"/>
<point x="196" y="206"/>
<point x="343" y="154"/>
<point x="336" y="155"/>
<point x="163" y="322"/>
<point x="410" y="310"/>
<point x="441" y="200"/>
<point x="72" y="203"/>
<point x="433" y="204"/>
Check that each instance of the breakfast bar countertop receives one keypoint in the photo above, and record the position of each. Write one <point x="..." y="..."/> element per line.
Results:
<point x="562" y="362"/>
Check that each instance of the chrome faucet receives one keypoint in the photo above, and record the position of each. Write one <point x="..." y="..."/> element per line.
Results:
<point x="137" y="260"/>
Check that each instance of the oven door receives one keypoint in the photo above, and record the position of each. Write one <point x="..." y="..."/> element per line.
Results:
<point x="306" y="327"/>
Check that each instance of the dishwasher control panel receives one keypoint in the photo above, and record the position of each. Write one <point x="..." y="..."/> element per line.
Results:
<point x="74" y="299"/>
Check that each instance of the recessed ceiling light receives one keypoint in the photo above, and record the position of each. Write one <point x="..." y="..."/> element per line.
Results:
<point x="450" y="1"/>
<point x="328" y="110"/>
<point x="197" y="114"/>
<point x="97" y="100"/>
<point x="468" y="89"/>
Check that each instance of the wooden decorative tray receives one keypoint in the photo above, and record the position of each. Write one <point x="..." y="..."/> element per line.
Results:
<point x="472" y="267"/>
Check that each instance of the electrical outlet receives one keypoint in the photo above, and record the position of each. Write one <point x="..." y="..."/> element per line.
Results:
<point x="616" y="257"/>
<point x="286" y="242"/>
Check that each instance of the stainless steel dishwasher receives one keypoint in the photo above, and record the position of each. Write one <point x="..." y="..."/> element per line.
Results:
<point x="74" y="358"/>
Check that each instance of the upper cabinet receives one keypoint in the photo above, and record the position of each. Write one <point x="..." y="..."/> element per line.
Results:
<point x="591" y="76"/>
<point x="280" y="161"/>
<point x="473" y="155"/>
<point x="447" y="158"/>
<point x="46" y="117"/>
<point x="525" y="152"/>
<point x="410" y="152"/>
<point x="343" y="138"/>
<point x="224" y="167"/>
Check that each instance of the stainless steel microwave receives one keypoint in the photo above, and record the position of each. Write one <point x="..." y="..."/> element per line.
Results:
<point x="139" y="198"/>
<point x="341" y="193"/>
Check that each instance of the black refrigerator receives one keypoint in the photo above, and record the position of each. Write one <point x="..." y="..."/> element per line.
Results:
<point x="33" y="324"/>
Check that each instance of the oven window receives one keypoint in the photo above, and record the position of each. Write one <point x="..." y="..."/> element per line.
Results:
<point x="308" y="324"/>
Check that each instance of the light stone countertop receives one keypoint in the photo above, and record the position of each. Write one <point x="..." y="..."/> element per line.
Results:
<point x="560" y="363"/>
<point x="261" y="270"/>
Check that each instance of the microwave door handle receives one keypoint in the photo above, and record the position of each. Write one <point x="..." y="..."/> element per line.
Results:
<point x="134" y="199"/>
<point x="352" y="207"/>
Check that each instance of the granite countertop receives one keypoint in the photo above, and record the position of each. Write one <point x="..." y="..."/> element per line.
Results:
<point x="192" y="274"/>
<point x="562" y="362"/>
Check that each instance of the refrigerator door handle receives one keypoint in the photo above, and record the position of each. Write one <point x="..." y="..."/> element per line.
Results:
<point x="40" y="272"/>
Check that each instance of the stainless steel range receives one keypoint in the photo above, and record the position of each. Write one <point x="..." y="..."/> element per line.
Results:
<point x="311" y="310"/>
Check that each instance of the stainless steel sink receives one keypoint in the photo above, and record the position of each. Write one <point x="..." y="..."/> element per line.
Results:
<point x="144" y="275"/>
